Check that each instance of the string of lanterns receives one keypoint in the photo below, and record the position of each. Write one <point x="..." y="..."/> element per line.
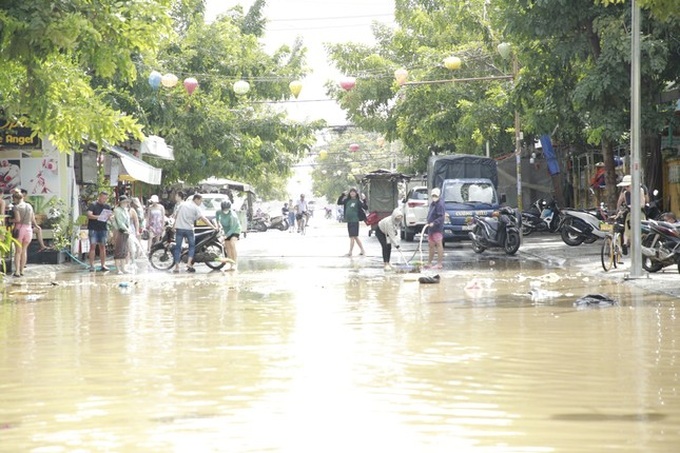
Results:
<point x="347" y="83"/>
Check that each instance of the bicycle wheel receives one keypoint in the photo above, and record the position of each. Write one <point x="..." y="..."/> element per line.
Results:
<point x="607" y="253"/>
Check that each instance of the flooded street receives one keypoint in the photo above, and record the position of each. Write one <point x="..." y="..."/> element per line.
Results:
<point x="303" y="349"/>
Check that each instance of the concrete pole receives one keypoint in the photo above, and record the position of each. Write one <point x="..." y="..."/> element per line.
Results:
<point x="636" y="202"/>
<point x="518" y="144"/>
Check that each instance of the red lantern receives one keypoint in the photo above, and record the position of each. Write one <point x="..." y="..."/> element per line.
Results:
<point x="190" y="84"/>
<point x="354" y="147"/>
<point x="347" y="83"/>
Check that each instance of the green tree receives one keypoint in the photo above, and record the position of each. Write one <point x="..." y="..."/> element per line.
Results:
<point x="215" y="132"/>
<point x="437" y="117"/>
<point x="576" y="71"/>
<point x="52" y="50"/>
<point x="339" y="165"/>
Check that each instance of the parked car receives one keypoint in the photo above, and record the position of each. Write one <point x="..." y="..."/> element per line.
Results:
<point x="415" y="209"/>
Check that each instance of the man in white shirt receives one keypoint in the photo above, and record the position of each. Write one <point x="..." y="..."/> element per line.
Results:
<point x="185" y="217"/>
<point x="300" y="210"/>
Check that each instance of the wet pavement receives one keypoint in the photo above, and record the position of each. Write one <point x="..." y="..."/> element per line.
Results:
<point x="303" y="349"/>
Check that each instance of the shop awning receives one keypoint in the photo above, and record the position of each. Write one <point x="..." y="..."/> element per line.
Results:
<point x="226" y="183"/>
<point x="135" y="168"/>
<point x="155" y="146"/>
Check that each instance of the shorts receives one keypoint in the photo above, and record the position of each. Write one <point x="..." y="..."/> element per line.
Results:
<point x="98" y="236"/>
<point x="25" y="233"/>
<point x="435" y="237"/>
<point x="353" y="229"/>
<point x="233" y="235"/>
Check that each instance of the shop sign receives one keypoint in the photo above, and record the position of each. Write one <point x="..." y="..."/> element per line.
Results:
<point x="14" y="136"/>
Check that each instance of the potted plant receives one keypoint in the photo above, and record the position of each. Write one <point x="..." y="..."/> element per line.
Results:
<point x="6" y="243"/>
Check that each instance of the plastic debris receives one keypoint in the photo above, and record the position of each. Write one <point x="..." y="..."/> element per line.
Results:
<point x="430" y="279"/>
<point x="595" y="301"/>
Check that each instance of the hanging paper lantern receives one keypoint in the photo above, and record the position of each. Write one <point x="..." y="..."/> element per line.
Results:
<point x="155" y="79"/>
<point x="347" y="83"/>
<point x="380" y="141"/>
<point x="190" y="84"/>
<point x="241" y="87"/>
<point x="452" y="63"/>
<point x="295" y="87"/>
<point x="504" y="49"/>
<point x="354" y="147"/>
<point x="169" y="80"/>
<point x="401" y="75"/>
<point x="322" y="154"/>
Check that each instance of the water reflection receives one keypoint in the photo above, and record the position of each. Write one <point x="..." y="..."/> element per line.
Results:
<point x="313" y="355"/>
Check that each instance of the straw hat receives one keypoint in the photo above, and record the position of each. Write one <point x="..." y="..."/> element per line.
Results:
<point x="625" y="182"/>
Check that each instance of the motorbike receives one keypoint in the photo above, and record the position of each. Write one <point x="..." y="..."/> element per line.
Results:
<point x="279" y="223"/>
<point x="542" y="216"/>
<point x="660" y="245"/>
<point x="578" y="226"/>
<point x="209" y="250"/>
<point x="496" y="232"/>
<point x="259" y="222"/>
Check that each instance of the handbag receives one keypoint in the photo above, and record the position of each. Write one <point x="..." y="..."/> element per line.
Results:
<point x="372" y="218"/>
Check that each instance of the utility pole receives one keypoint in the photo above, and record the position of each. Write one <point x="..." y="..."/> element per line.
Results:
<point x="636" y="202"/>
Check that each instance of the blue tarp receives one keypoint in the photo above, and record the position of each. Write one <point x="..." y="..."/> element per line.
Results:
<point x="550" y="156"/>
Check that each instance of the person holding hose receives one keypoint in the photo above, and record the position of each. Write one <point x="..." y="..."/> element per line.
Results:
<point x="388" y="235"/>
<point x="435" y="230"/>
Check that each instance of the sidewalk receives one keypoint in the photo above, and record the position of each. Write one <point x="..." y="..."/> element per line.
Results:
<point x="585" y="258"/>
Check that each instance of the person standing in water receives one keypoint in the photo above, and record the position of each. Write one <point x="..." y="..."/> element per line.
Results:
<point x="353" y="213"/>
<point x="435" y="229"/>
<point x="388" y="232"/>
<point x="227" y="220"/>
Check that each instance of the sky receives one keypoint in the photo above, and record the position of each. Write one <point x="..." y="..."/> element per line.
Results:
<point x="316" y="22"/>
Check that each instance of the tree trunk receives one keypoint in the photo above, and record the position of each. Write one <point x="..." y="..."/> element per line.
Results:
<point x="611" y="195"/>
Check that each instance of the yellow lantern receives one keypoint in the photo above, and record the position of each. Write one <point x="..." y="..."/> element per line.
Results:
<point x="169" y="80"/>
<point x="241" y="87"/>
<point x="401" y="75"/>
<point x="452" y="63"/>
<point x="295" y="87"/>
<point x="323" y="154"/>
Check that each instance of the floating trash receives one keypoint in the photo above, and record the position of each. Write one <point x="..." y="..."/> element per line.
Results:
<point x="595" y="301"/>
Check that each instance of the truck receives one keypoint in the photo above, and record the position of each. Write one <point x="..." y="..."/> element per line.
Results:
<point x="468" y="186"/>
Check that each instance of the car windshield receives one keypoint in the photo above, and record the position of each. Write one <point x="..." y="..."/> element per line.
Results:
<point x="213" y="204"/>
<point x="470" y="192"/>
<point x="420" y="194"/>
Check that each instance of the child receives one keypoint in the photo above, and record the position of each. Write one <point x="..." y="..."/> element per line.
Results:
<point x="388" y="234"/>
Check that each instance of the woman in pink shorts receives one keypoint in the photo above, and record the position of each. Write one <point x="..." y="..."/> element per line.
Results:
<point x="435" y="229"/>
<point x="23" y="231"/>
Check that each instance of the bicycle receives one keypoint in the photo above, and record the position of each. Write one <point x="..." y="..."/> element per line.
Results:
<point x="612" y="247"/>
<point x="302" y="222"/>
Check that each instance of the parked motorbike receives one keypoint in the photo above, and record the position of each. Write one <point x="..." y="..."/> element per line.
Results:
<point x="542" y="216"/>
<point x="496" y="232"/>
<point x="209" y="249"/>
<point x="279" y="223"/>
<point x="579" y="226"/>
<point x="660" y="246"/>
<point x="259" y="222"/>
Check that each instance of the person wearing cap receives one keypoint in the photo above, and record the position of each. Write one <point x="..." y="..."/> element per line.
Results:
<point x="625" y="199"/>
<point x="388" y="233"/>
<point x="155" y="220"/>
<point x="435" y="229"/>
<point x="228" y="222"/>
<point x="122" y="229"/>
<point x="98" y="214"/>
<point x="353" y="213"/>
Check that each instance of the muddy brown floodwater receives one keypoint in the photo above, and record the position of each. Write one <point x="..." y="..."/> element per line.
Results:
<point x="312" y="352"/>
